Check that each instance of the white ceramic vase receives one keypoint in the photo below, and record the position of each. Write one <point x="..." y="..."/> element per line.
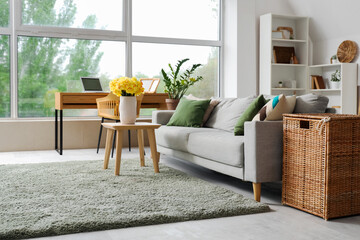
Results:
<point x="335" y="85"/>
<point x="127" y="109"/>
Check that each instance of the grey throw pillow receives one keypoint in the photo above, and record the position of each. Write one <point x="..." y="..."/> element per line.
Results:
<point x="226" y="114"/>
<point x="311" y="103"/>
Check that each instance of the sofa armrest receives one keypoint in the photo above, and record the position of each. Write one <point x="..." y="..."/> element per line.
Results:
<point x="263" y="151"/>
<point x="162" y="116"/>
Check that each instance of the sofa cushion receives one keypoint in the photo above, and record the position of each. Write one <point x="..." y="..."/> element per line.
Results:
<point x="212" y="105"/>
<point x="227" y="112"/>
<point x="311" y="103"/>
<point x="176" y="137"/>
<point x="219" y="146"/>
<point x="189" y="113"/>
<point x="275" y="108"/>
<point x="249" y="114"/>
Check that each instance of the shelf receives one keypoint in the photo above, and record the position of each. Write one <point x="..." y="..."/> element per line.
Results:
<point x="326" y="65"/>
<point x="325" y="90"/>
<point x="288" y="40"/>
<point x="288" y="65"/>
<point x="288" y="89"/>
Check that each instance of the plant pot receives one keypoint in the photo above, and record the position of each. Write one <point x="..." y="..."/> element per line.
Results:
<point x="335" y="85"/>
<point x="127" y="109"/>
<point x="171" y="103"/>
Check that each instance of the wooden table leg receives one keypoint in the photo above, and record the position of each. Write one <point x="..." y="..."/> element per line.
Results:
<point x="140" y="136"/>
<point x="154" y="153"/>
<point x="119" y="137"/>
<point x="109" y="136"/>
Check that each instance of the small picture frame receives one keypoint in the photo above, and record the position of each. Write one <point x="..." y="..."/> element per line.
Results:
<point x="278" y="34"/>
<point x="150" y="84"/>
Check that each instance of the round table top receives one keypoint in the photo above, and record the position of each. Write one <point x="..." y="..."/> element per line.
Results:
<point x="136" y="125"/>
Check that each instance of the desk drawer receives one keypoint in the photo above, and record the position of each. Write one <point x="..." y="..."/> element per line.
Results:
<point x="76" y="99"/>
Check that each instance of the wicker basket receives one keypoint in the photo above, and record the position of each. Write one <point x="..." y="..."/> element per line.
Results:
<point x="321" y="168"/>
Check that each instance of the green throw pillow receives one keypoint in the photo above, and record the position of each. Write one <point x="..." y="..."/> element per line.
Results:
<point x="249" y="114"/>
<point x="189" y="113"/>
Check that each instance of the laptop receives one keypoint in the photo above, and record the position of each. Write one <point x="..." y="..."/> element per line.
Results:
<point x="91" y="84"/>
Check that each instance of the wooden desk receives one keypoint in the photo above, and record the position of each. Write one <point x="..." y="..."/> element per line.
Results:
<point x="88" y="101"/>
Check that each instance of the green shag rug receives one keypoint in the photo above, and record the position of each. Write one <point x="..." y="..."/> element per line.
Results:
<point x="48" y="199"/>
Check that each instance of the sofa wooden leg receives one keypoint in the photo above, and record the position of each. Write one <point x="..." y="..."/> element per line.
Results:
<point x="257" y="191"/>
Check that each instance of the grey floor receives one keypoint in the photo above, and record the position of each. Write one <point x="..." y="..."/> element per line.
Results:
<point x="281" y="223"/>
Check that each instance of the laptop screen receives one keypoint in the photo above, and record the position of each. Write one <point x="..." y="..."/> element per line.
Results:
<point x="91" y="84"/>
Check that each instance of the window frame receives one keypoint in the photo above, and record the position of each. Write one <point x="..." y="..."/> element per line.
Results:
<point x="16" y="29"/>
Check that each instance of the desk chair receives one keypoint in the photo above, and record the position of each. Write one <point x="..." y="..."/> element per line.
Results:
<point x="108" y="109"/>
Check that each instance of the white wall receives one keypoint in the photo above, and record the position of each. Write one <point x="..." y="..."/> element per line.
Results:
<point x="239" y="51"/>
<point x="330" y="26"/>
<point x="241" y="43"/>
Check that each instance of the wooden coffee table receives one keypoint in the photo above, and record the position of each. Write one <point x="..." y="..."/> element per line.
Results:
<point x="140" y="127"/>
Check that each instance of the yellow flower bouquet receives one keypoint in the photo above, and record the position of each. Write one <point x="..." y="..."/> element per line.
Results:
<point x="125" y="86"/>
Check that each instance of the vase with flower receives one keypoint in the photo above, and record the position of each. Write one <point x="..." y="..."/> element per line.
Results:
<point x="127" y="89"/>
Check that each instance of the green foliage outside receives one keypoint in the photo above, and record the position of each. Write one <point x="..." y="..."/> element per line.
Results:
<point x="46" y="64"/>
<point x="4" y="62"/>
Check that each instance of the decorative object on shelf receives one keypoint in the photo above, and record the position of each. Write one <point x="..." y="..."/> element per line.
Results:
<point x="127" y="88"/>
<point x="280" y="85"/>
<point x="283" y="54"/>
<point x="346" y="51"/>
<point x="278" y="34"/>
<point x="335" y="80"/>
<point x="176" y="83"/>
<point x="293" y="83"/>
<point x="334" y="59"/>
<point x="150" y="84"/>
<point x="317" y="82"/>
<point x="288" y="32"/>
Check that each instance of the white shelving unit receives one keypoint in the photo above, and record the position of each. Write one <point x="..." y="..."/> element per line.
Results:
<point x="272" y="73"/>
<point x="345" y="98"/>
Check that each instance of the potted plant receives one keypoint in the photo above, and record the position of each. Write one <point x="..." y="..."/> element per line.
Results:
<point x="335" y="80"/>
<point x="177" y="83"/>
<point x="333" y="59"/>
<point x="280" y="85"/>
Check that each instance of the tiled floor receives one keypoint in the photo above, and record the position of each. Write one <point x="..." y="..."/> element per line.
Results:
<point x="281" y="223"/>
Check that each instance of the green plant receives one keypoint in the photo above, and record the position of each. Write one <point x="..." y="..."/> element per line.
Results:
<point x="335" y="77"/>
<point x="334" y="57"/>
<point x="176" y="83"/>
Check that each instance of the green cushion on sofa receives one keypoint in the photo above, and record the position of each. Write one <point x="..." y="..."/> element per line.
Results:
<point x="249" y="114"/>
<point x="189" y="113"/>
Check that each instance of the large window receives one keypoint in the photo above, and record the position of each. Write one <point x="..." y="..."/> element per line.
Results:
<point x="52" y="43"/>
<point x="74" y="13"/>
<point x="149" y="59"/>
<point x="4" y="77"/>
<point x="192" y="19"/>
<point x="49" y="65"/>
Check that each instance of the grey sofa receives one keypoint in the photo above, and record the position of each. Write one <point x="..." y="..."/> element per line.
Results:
<point x="255" y="157"/>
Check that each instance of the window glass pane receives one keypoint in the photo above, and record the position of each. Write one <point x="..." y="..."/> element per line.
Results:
<point x="49" y="65"/>
<point x="105" y="14"/>
<point x="4" y="77"/>
<point x="192" y="19"/>
<point x="149" y="59"/>
<point x="4" y="13"/>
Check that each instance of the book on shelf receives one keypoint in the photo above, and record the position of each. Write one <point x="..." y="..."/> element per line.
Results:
<point x="317" y="82"/>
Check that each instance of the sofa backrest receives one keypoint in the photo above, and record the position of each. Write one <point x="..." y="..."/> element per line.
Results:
<point x="226" y="114"/>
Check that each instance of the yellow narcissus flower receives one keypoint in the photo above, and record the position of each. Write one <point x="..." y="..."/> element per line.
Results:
<point x="125" y="86"/>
